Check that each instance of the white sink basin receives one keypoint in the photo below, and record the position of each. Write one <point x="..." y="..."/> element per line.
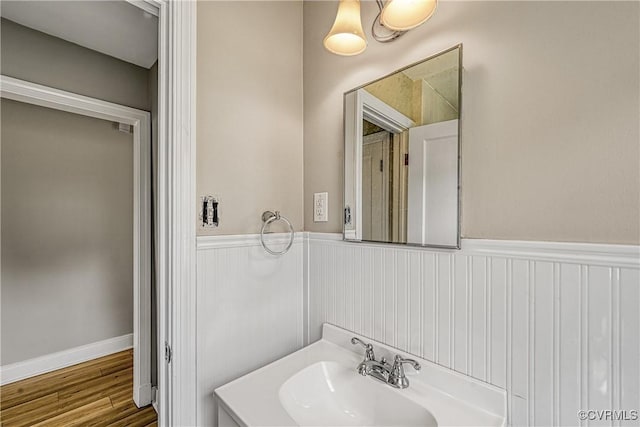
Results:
<point x="331" y="394"/>
<point x="319" y="386"/>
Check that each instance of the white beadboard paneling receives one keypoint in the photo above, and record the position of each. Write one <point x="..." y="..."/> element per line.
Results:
<point x="541" y="367"/>
<point x="518" y="396"/>
<point x="378" y="279"/>
<point x="401" y="305"/>
<point x="415" y="300"/>
<point x="556" y="324"/>
<point x="250" y="309"/>
<point x="367" y="296"/>
<point x="444" y="303"/>
<point x="569" y="341"/>
<point x="478" y="309"/>
<point x="629" y="350"/>
<point x="599" y="339"/>
<point x="460" y="296"/>
<point x="498" y="322"/>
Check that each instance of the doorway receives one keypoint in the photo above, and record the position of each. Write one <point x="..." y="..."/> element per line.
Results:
<point x="176" y="216"/>
<point x="51" y="54"/>
<point x="86" y="157"/>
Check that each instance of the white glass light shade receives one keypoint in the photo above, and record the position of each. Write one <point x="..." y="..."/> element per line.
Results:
<point x="403" y="15"/>
<point x="346" y="36"/>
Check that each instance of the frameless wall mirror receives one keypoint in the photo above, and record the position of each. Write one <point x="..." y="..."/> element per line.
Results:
<point x="402" y="149"/>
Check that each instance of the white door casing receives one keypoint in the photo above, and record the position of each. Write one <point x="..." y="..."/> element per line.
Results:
<point x="176" y="216"/>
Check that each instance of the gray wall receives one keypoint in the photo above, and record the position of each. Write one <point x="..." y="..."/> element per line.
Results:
<point x="550" y="114"/>
<point x="66" y="200"/>
<point x="67" y="261"/>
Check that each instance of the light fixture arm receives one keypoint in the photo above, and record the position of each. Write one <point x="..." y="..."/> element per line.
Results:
<point x="393" y="20"/>
<point x="377" y="25"/>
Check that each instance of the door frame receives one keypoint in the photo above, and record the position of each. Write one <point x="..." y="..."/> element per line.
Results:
<point x="176" y="395"/>
<point x="140" y="121"/>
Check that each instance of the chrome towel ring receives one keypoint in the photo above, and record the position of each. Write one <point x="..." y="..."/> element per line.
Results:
<point x="267" y="218"/>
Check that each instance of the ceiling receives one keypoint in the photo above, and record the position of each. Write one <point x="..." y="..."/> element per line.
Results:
<point x="441" y="73"/>
<point x="434" y="66"/>
<point x="115" y="28"/>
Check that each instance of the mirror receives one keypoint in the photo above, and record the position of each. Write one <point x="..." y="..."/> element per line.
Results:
<point x="402" y="149"/>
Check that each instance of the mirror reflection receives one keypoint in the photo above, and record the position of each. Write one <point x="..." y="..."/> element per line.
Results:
<point x="401" y="155"/>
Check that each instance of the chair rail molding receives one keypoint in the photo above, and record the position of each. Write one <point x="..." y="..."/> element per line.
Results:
<point x="44" y="96"/>
<point x="591" y="253"/>
<point x="234" y="241"/>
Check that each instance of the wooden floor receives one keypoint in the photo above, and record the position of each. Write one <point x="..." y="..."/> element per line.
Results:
<point x="94" y="393"/>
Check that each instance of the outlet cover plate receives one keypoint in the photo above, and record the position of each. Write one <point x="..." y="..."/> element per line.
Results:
<point x="320" y="207"/>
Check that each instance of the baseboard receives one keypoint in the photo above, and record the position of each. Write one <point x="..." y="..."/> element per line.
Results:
<point x="143" y="395"/>
<point x="39" y="365"/>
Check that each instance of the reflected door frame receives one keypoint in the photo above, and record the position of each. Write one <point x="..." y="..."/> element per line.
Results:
<point x="379" y="142"/>
<point x="361" y="105"/>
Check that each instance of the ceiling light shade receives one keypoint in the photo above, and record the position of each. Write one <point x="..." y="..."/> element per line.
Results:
<point x="346" y="36"/>
<point x="403" y="15"/>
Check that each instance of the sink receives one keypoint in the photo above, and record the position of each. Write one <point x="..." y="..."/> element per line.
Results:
<point x="319" y="385"/>
<point x="328" y="393"/>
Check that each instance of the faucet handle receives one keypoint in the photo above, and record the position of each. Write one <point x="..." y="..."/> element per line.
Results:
<point x="399" y="361"/>
<point x="368" y="354"/>
<point x="397" y="378"/>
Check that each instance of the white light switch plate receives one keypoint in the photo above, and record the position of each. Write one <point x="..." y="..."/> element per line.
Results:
<point x="320" y="207"/>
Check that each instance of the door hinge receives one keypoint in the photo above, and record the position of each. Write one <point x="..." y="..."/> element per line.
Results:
<point x="406" y="160"/>
<point x="381" y="166"/>
<point x="167" y="352"/>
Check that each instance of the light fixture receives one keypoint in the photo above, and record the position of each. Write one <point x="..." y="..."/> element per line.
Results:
<point x="403" y="15"/>
<point x="346" y="36"/>
<point x="395" y="19"/>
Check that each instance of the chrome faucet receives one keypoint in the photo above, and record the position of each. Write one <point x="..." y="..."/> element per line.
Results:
<point x="368" y="349"/>
<point x="381" y="370"/>
<point x="397" y="378"/>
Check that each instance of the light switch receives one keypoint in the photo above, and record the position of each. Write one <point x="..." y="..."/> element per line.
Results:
<point x="320" y="207"/>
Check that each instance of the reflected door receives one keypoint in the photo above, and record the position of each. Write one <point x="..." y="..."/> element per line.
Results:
<point x="375" y="186"/>
<point x="433" y="184"/>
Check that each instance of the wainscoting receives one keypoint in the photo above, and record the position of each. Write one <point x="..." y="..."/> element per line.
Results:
<point x="249" y="310"/>
<point x="557" y="325"/>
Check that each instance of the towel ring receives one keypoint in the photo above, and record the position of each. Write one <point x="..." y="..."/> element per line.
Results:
<point x="267" y="218"/>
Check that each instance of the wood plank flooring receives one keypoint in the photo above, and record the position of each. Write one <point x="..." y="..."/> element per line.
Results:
<point x="94" y="393"/>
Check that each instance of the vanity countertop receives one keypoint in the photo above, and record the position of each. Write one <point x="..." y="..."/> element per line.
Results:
<point x="452" y="398"/>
